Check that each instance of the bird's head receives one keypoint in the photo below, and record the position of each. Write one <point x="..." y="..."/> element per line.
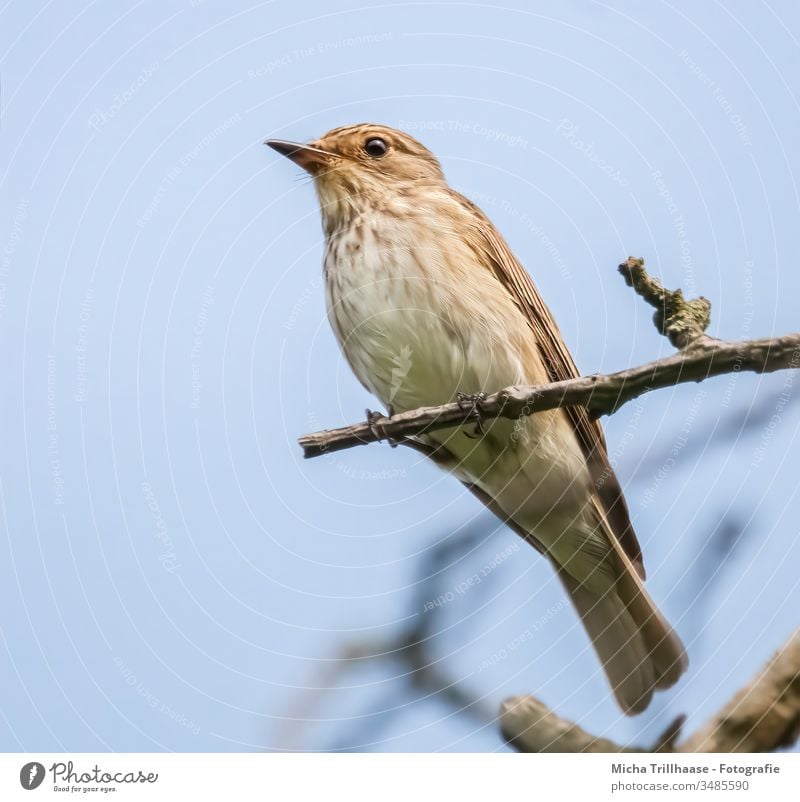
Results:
<point x="361" y="165"/>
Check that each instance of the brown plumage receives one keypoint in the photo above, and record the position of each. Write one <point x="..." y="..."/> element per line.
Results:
<point x="427" y="301"/>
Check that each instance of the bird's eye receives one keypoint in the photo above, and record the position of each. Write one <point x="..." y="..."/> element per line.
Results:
<point x="376" y="147"/>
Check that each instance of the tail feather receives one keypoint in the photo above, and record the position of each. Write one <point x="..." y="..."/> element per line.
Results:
<point x="667" y="651"/>
<point x="638" y="649"/>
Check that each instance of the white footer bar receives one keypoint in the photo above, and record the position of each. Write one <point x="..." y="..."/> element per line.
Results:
<point x="401" y="777"/>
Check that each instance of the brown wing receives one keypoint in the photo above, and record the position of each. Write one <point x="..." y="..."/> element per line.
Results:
<point x="560" y="366"/>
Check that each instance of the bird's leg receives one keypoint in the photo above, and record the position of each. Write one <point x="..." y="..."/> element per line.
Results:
<point x="471" y="403"/>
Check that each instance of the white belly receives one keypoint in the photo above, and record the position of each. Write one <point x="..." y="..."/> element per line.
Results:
<point x="399" y="331"/>
<point x="412" y="341"/>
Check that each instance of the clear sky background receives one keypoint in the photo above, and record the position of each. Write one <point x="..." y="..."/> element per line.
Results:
<point x="173" y="574"/>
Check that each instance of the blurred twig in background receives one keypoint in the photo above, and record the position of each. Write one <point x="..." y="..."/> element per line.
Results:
<point x="410" y="648"/>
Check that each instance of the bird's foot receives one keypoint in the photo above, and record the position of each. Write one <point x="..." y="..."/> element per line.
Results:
<point x="471" y="404"/>
<point x="374" y="419"/>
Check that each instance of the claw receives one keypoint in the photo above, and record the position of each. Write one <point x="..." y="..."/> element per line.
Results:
<point x="373" y="419"/>
<point x="471" y="403"/>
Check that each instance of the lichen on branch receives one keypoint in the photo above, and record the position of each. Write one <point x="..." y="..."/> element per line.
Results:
<point x="682" y="322"/>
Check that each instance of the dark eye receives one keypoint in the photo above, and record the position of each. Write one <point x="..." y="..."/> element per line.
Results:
<point x="376" y="147"/>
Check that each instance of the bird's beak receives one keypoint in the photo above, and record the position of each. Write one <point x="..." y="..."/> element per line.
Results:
<point x="306" y="156"/>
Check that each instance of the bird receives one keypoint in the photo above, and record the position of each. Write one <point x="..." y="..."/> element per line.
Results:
<point x="429" y="306"/>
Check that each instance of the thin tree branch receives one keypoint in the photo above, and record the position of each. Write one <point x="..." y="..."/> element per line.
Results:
<point x="683" y="322"/>
<point x="762" y="717"/>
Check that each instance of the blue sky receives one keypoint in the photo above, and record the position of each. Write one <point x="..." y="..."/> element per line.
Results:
<point x="174" y="575"/>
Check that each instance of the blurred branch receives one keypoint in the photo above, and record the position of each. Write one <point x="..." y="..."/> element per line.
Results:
<point x="683" y="322"/>
<point x="412" y="646"/>
<point x="424" y="673"/>
<point x="531" y="726"/>
<point x="716" y="430"/>
<point x="762" y="717"/>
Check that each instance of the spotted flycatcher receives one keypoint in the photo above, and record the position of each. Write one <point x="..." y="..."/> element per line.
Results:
<point x="429" y="305"/>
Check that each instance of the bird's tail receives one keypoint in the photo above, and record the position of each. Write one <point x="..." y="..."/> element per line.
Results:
<point x="638" y="648"/>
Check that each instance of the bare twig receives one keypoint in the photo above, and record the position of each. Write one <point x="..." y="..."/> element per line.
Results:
<point x="683" y="322"/>
<point x="762" y="717"/>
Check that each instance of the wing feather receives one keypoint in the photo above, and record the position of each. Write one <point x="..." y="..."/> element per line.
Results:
<point x="560" y="366"/>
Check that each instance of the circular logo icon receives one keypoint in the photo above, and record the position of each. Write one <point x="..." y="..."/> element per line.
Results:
<point x="31" y="775"/>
